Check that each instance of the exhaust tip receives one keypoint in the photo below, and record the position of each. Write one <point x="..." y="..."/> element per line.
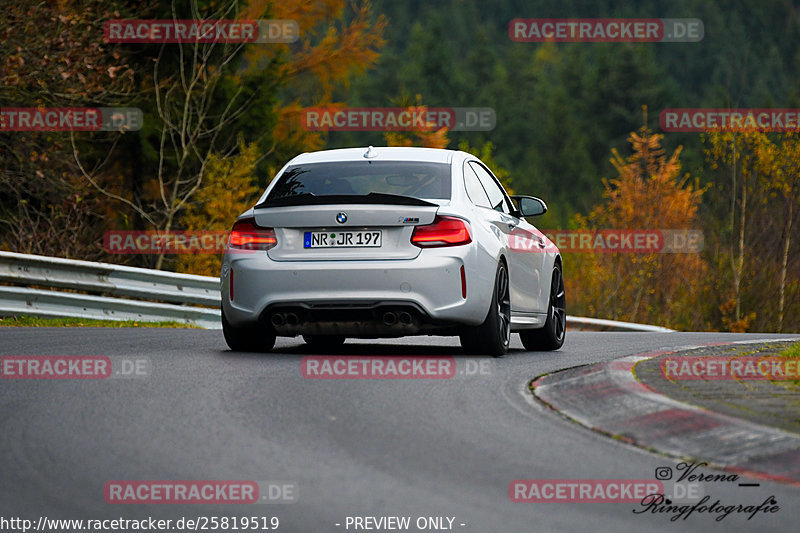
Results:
<point x="277" y="319"/>
<point x="389" y="318"/>
<point x="405" y="318"/>
<point x="291" y="319"/>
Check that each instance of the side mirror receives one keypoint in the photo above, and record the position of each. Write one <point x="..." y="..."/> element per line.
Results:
<point x="529" y="206"/>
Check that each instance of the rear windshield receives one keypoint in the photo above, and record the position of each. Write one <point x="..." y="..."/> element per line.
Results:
<point x="405" y="178"/>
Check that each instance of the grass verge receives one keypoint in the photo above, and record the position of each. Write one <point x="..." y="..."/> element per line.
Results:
<point x="37" y="322"/>
<point x="792" y="351"/>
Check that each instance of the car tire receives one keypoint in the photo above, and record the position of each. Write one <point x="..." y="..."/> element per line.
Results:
<point x="551" y="336"/>
<point x="493" y="336"/>
<point x="252" y="339"/>
<point x="324" y="342"/>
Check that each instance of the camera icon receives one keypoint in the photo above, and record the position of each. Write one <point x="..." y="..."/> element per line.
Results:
<point x="663" y="473"/>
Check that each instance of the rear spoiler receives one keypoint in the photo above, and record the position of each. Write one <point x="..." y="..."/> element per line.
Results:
<point x="328" y="199"/>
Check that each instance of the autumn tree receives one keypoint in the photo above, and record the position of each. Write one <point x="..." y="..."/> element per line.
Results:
<point x="229" y="190"/>
<point x="758" y="172"/>
<point x="53" y="55"/>
<point x="428" y="136"/>
<point x="779" y="164"/>
<point x="339" y="39"/>
<point x="193" y="112"/>
<point x="649" y="194"/>
<point x="736" y="151"/>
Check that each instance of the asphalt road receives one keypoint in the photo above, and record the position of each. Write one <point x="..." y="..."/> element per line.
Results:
<point x="413" y="447"/>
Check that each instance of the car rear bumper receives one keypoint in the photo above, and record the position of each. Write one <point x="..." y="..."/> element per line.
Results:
<point x="352" y="297"/>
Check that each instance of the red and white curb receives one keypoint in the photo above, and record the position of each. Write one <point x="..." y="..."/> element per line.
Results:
<point x="607" y="397"/>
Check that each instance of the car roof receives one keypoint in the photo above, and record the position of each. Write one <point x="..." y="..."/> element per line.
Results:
<point x="378" y="153"/>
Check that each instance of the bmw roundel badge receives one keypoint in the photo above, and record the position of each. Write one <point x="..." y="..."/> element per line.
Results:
<point x="341" y="218"/>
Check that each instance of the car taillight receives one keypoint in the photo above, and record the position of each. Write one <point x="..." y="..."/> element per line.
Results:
<point x="444" y="231"/>
<point x="245" y="235"/>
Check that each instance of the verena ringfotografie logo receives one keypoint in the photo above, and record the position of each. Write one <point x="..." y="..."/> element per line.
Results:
<point x="378" y="367"/>
<point x="641" y="241"/>
<point x="730" y="368"/>
<point x="72" y="367"/>
<point x="739" y="120"/>
<point x="398" y="118"/>
<point x="200" y="31"/>
<point x="165" y="242"/>
<point x="70" y="119"/>
<point x="606" y="30"/>
<point x="690" y="487"/>
<point x="200" y="492"/>
<point x="582" y="490"/>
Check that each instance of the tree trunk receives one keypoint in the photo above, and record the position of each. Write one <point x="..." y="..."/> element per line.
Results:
<point x="740" y="258"/>
<point x="787" y="233"/>
<point x="167" y="227"/>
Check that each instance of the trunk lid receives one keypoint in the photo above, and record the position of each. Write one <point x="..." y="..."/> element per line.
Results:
<point x="295" y="225"/>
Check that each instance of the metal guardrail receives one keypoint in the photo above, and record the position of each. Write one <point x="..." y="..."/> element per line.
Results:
<point x="107" y="279"/>
<point x="182" y="292"/>
<point x="601" y="324"/>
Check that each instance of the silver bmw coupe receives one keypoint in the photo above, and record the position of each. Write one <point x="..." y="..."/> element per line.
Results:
<point x="388" y="242"/>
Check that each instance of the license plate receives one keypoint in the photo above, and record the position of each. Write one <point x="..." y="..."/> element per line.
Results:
<point x="342" y="239"/>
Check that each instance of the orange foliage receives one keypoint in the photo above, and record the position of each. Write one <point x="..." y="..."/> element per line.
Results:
<point x="765" y="185"/>
<point x="649" y="194"/>
<point x="228" y="190"/>
<point x="335" y="44"/>
<point x="427" y="137"/>
<point x="329" y="53"/>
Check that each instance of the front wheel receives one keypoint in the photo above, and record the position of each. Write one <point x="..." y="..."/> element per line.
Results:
<point x="247" y="339"/>
<point x="551" y="336"/>
<point x="493" y="336"/>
